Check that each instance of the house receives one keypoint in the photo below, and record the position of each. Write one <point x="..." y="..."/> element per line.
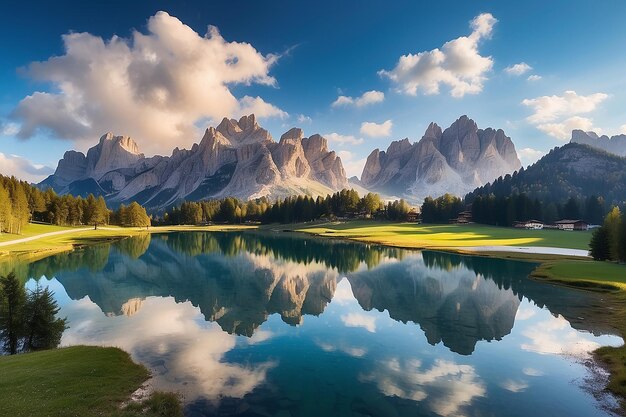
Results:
<point x="571" y="225"/>
<point x="412" y="216"/>
<point x="464" y="217"/>
<point x="529" y="224"/>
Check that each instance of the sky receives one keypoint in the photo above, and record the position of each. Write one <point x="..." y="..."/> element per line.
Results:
<point x="361" y="73"/>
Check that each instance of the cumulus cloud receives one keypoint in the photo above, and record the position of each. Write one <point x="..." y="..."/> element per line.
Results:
<point x="529" y="155"/>
<point x="377" y="130"/>
<point x="360" y="320"/>
<point x="623" y="129"/>
<point x="8" y="129"/>
<point x="353" y="167"/>
<point x="445" y="388"/>
<point x="534" y="77"/>
<point x="23" y="169"/>
<point x="369" y="97"/>
<point x="153" y="86"/>
<point x="514" y="386"/>
<point x="559" y="115"/>
<point x="458" y="64"/>
<point x="304" y="119"/>
<point x="343" y="139"/>
<point x="563" y="130"/>
<point x="518" y="69"/>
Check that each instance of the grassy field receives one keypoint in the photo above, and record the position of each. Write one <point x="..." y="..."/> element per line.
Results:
<point x="48" y="245"/>
<point x="420" y="236"/>
<point x="33" y="229"/>
<point x="77" y="381"/>
<point x="606" y="275"/>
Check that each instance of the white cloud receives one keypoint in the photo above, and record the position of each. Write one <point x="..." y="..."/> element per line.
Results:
<point x="353" y="167"/>
<point x="550" y="108"/>
<point x="369" y="97"/>
<point x="556" y="336"/>
<point x="304" y="119"/>
<point x="529" y="155"/>
<point x="623" y="129"/>
<point x="377" y="130"/>
<point x="458" y="64"/>
<point x="514" y="386"/>
<point x="518" y="69"/>
<point x="259" y="107"/>
<point x="343" y="139"/>
<point x="532" y="372"/>
<point x="152" y="86"/>
<point x="445" y="388"/>
<point x="563" y="130"/>
<point x="559" y="115"/>
<point x="9" y="129"/>
<point x="22" y="168"/>
<point x="534" y="77"/>
<point x="360" y="320"/>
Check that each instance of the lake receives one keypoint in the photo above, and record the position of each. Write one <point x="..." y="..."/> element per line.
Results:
<point x="272" y="324"/>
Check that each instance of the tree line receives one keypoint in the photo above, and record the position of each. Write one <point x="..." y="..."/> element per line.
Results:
<point x="506" y="210"/>
<point x="21" y="203"/>
<point x="293" y="209"/>
<point x="608" y="242"/>
<point x="28" y="319"/>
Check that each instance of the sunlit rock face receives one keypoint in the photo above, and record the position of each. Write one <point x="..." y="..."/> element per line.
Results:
<point x="455" y="160"/>
<point x="237" y="158"/>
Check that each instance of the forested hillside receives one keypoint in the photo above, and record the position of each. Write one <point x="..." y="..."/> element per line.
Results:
<point x="573" y="181"/>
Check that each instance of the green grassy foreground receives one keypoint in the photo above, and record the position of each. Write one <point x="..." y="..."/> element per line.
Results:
<point x="421" y="236"/>
<point x="77" y="381"/>
<point x="33" y="229"/>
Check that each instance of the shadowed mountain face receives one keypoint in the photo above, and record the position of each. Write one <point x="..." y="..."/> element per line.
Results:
<point x="240" y="279"/>
<point x="237" y="158"/>
<point x="455" y="160"/>
<point x="614" y="144"/>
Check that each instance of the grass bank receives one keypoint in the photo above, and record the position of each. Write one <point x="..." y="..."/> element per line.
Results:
<point x="77" y="381"/>
<point x="420" y="236"/>
<point x="73" y="237"/>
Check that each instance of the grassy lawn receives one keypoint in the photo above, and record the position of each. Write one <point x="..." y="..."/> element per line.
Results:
<point x="411" y="235"/>
<point x="60" y="243"/>
<point x="33" y="229"/>
<point x="76" y="381"/>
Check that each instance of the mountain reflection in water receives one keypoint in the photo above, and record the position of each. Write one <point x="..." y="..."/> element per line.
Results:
<point x="202" y="311"/>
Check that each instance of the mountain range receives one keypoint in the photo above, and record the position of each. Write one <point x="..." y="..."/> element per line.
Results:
<point x="614" y="144"/>
<point x="239" y="158"/>
<point x="455" y="160"/>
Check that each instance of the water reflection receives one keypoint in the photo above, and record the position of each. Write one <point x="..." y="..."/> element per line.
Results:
<point x="380" y="331"/>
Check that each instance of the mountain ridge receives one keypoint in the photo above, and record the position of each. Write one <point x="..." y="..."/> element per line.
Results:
<point x="236" y="158"/>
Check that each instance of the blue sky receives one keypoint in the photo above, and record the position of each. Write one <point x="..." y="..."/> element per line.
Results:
<point x="162" y="81"/>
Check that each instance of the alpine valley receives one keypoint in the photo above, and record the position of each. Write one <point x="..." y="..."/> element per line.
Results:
<point x="239" y="158"/>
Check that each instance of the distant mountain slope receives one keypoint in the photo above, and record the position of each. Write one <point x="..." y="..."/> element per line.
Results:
<point x="455" y="161"/>
<point x="571" y="170"/>
<point x="237" y="158"/>
<point x="614" y="144"/>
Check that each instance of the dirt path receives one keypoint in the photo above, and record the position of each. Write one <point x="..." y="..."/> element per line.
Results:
<point x="31" y="238"/>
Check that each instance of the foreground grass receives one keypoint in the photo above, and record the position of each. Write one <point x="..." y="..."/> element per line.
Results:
<point x="421" y="236"/>
<point x="76" y="381"/>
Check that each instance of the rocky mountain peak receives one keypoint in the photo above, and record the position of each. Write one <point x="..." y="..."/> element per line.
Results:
<point x="292" y="135"/>
<point x="614" y="144"/>
<point x="453" y="160"/>
<point x="244" y="131"/>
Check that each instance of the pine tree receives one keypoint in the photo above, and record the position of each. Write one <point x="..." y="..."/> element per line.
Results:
<point x="44" y="329"/>
<point x="12" y="303"/>
<point x="599" y="244"/>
